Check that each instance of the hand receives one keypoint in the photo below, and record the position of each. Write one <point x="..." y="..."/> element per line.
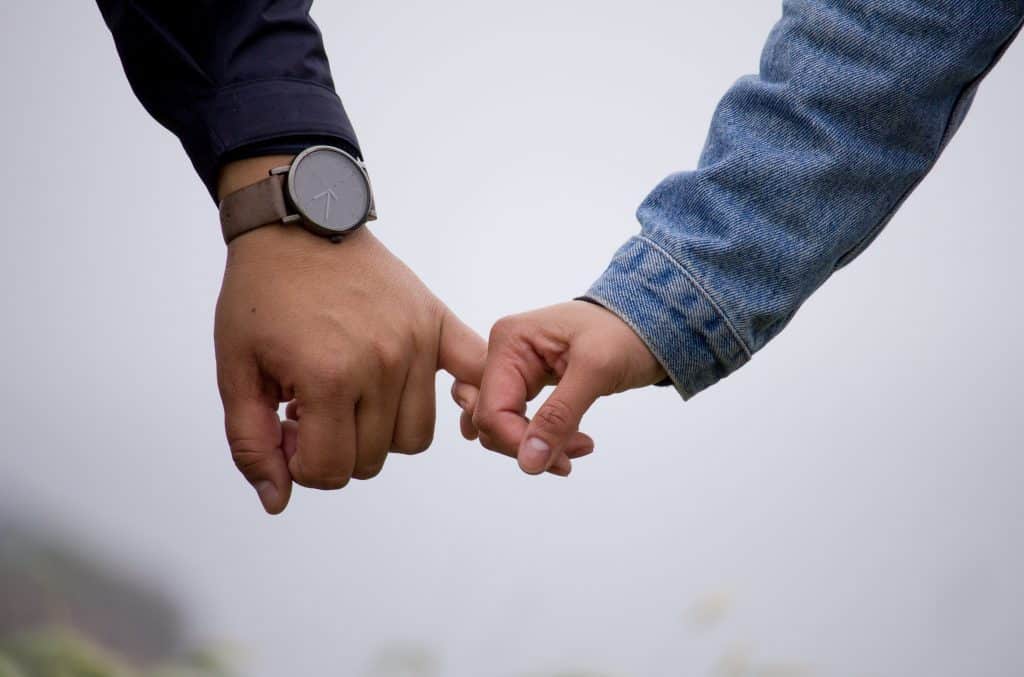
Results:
<point x="585" y="349"/>
<point x="350" y="337"/>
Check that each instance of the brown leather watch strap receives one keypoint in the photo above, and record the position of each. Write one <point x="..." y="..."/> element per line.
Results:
<point x="260" y="204"/>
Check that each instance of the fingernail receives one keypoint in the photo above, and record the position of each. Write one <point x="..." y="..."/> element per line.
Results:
<point x="267" y="492"/>
<point x="535" y="454"/>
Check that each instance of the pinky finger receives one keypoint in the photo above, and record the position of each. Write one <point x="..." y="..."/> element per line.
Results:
<point x="579" y="446"/>
<point x="469" y="431"/>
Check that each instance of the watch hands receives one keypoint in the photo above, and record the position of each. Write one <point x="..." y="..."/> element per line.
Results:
<point x="329" y="194"/>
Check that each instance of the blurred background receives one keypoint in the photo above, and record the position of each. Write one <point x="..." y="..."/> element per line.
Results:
<point x="848" y="504"/>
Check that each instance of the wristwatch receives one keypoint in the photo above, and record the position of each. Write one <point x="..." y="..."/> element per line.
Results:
<point x="324" y="189"/>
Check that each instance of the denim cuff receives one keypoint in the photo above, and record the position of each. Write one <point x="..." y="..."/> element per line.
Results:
<point x="679" y="321"/>
<point x="260" y="112"/>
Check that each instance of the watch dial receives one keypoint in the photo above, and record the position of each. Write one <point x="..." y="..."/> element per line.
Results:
<point x="329" y="190"/>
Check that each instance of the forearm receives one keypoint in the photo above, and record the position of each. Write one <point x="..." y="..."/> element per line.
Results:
<point x="804" y="164"/>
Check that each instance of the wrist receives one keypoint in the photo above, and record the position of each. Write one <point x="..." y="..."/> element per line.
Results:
<point x="293" y="252"/>
<point x="241" y="173"/>
<point x="644" y="366"/>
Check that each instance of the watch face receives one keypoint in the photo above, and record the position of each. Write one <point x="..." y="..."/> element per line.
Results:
<point x="329" y="189"/>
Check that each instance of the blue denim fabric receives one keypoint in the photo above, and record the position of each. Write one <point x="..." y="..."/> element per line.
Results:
<point x="804" y="165"/>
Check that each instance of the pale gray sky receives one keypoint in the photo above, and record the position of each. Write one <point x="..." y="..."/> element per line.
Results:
<point x="854" y="490"/>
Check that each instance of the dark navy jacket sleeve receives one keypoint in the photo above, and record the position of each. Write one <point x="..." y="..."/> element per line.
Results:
<point x="230" y="78"/>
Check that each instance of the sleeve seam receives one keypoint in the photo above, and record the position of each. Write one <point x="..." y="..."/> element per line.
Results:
<point x="241" y="84"/>
<point x="273" y="136"/>
<point x="710" y="299"/>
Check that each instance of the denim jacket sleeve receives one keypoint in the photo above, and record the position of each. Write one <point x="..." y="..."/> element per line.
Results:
<point x="230" y="78"/>
<point x="804" y="165"/>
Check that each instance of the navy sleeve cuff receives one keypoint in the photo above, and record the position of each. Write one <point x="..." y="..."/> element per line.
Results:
<point x="263" y="117"/>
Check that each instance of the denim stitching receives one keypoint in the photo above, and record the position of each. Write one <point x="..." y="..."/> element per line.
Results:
<point x="692" y="280"/>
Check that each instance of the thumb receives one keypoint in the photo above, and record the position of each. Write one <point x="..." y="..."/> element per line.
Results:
<point x="255" y="436"/>
<point x="461" y="351"/>
<point x="557" y="421"/>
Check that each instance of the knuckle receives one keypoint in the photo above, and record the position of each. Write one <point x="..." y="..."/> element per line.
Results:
<point x="318" y="475"/>
<point x="386" y="354"/>
<point x="328" y="377"/>
<point x="487" y="442"/>
<point x="485" y="421"/>
<point x="246" y="459"/>
<point x="414" y="443"/>
<point x="322" y="482"/>
<point x="368" y="471"/>
<point x="555" y="415"/>
<point x="310" y="363"/>
<point x="330" y="483"/>
<point x="504" y="328"/>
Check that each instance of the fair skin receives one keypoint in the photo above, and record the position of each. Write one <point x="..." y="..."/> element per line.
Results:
<point x="347" y="335"/>
<point x="584" y="349"/>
